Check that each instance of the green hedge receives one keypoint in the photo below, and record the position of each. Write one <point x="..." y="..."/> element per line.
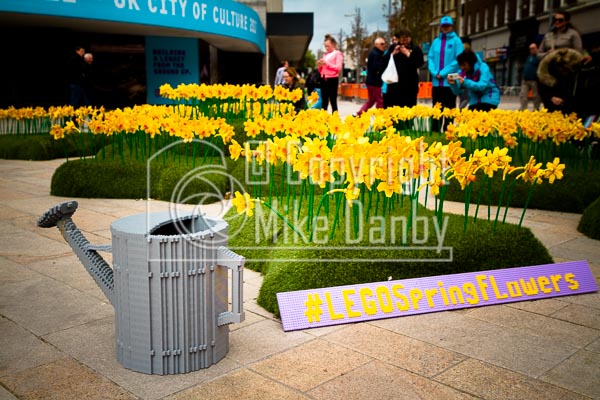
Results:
<point x="44" y="147"/>
<point x="115" y="179"/>
<point x="589" y="224"/>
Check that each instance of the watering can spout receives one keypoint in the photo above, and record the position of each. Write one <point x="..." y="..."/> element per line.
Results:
<point x="60" y="216"/>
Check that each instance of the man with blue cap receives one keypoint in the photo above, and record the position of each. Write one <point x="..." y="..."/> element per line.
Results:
<point x="442" y="61"/>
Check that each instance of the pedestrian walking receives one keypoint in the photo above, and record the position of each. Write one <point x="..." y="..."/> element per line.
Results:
<point x="375" y="67"/>
<point x="529" y="81"/>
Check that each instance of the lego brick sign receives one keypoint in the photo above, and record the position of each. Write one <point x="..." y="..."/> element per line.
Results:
<point x="365" y="302"/>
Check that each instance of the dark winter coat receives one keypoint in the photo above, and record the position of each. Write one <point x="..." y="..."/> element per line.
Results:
<point x="557" y="74"/>
<point x="404" y="93"/>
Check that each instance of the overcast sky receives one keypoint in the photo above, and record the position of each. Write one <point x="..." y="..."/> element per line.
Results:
<point x="329" y="16"/>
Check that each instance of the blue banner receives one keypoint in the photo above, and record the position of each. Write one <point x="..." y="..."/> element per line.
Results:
<point x="170" y="60"/>
<point x="219" y="17"/>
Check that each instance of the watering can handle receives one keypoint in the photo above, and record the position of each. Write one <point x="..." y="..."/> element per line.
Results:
<point x="235" y="263"/>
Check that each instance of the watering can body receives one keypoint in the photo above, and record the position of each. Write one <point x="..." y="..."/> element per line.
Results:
<point x="168" y="284"/>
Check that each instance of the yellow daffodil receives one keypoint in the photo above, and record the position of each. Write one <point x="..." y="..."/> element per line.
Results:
<point x="243" y="203"/>
<point x="554" y="170"/>
<point x="235" y="150"/>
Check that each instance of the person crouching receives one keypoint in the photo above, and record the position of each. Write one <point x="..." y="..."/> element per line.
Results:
<point x="475" y="77"/>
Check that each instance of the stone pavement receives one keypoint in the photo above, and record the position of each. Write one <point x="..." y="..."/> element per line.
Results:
<point x="57" y="328"/>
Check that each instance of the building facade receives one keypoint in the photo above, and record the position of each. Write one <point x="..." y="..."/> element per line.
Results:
<point x="501" y="30"/>
<point x="140" y="44"/>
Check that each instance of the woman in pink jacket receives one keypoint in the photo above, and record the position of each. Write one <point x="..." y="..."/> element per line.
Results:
<point x="329" y="67"/>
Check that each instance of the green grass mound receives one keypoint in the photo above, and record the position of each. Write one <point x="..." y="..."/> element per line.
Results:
<point x="44" y="147"/>
<point x="289" y="262"/>
<point x="589" y="224"/>
<point x="115" y="179"/>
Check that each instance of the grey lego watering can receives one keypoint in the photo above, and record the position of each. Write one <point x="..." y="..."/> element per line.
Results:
<point x="168" y="286"/>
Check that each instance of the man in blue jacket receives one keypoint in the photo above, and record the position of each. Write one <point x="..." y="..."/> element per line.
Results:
<point x="442" y="61"/>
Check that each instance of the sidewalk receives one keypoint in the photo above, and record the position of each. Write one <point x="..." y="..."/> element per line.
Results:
<point x="348" y="107"/>
<point x="57" y="328"/>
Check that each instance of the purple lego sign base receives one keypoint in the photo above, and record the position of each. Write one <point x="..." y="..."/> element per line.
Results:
<point x="315" y="308"/>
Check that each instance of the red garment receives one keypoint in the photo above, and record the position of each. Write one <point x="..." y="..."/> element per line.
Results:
<point x="374" y="97"/>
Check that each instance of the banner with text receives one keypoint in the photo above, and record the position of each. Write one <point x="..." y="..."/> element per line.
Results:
<point x="220" y="17"/>
<point x="315" y="308"/>
<point x="170" y="60"/>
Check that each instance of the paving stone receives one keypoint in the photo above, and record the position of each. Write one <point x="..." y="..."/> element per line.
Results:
<point x="589" y="300"/>
<point x="258" y="310"/>
<point x="537" y="325"/>
<point x="378" y="380"/>
<point x="63" y="379"/>
<point x="13" y="272"/>
<point x="578" y="314"/>
<point x="581" y="248"/>
<point x="399" y="350"/>
<point x="243" y="384"/>
<point x="250" y="318"/>
<point x="580" y="373"/>
<point x="326" y="330"/>
<point x="6" y="395"/>
<point x="490" y="382"/>
<point x="70" y="271"/>
<point x="43" y="305"/>
<point x="260" y="340"/>
<point x="101" y="357"/>
<point x="9" y="213"/>
<point x="505" y="347"/>
<point x="552" y="239"/>
<point x="543" y="306"/>
<point x="36" y="205"/>
<point x="310" y="364"/>
<point x="594" y="346"/>
<point x="250" y="290"/>
<point x="17" y="190"/>
<point x="23" y="246"/>
<point x="20" y="350"/>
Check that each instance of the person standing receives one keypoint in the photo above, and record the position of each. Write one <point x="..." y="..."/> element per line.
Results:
<point x="408" y="58"/>
<point x="76" y="78"/>
<point x="386" y="58"/>
<point x="562" y="35"/>
<point x="561" y="57"/>
<point x="330" y="66"/>
<point x="529" y="79"/>
<point x="477" y="79"/>
<point x="89" y="78"/>
<point x="279" y="74"/>
<point x="441" y="61"/>
<point x="375" y="67"/>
